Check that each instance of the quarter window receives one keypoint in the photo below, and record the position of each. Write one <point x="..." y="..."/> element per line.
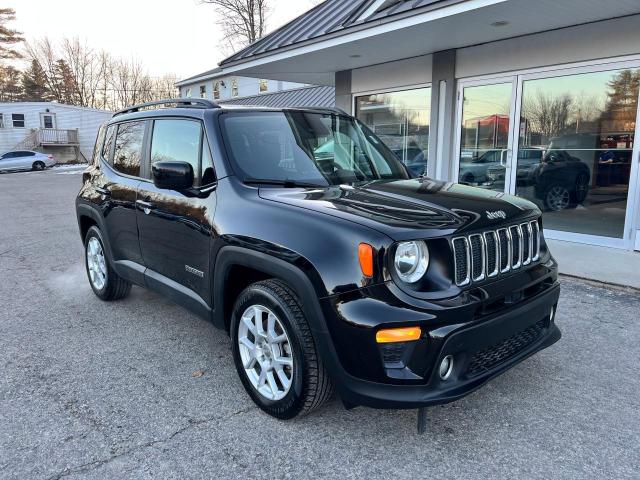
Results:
<point x="126" y="158"/>
<point x="177" y="141"/>
<point x="18" y="120"/>
<point x="108" y="142"/>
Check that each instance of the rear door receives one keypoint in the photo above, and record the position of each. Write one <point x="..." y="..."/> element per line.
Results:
<point x="117" y="187"/>
<point x="176" y="227"/>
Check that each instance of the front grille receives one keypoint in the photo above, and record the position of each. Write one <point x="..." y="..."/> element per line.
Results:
<point x="461" y="252"/>
<point x="485" y="255"/>
<point x="492" y="356"/>
<point x="477" y="257"/>
<point x="516" y="247"/>
<point x="493" y="253"/>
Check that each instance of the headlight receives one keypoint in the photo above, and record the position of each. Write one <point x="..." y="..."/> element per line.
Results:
<point x="411" y="261"/>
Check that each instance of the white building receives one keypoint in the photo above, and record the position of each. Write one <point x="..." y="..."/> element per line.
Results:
<point x="462" y="88"/>
<point x="215" y="85"/>
<point x="65" y="131"/>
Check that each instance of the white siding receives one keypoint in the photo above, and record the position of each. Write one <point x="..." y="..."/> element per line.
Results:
<point x="247" y="87"/>
<point x="398" y="74"/>
<point x="87" y="121"/>
<point x="593" y="41"/>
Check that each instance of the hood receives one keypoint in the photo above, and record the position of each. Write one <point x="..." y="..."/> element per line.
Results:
<point x="411" y="209"/>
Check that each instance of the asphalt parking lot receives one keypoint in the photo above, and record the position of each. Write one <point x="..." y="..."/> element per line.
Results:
<point x="96" y="390"/>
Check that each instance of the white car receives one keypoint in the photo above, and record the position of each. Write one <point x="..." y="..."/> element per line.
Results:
<point x="25" y="160"/>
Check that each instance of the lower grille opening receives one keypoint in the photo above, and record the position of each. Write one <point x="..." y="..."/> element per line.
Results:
<point x="494" y="355"/>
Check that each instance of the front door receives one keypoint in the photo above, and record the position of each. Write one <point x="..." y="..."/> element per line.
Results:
<point x="485" y="140"/>
<point x="48" y="120"/>
<point x="175" y="228"/>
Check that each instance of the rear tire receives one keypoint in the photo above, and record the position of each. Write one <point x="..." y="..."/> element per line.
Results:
<point x="303" y="384"/>
<point x="104" y="281"/>
<point x="38" y="166"/>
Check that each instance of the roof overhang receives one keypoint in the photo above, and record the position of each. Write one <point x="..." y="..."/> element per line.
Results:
<point x="451" y="25"/>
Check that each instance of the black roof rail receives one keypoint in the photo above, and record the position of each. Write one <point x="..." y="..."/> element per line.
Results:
<point x="322" y="109"/>
<point x="178" y="102"/>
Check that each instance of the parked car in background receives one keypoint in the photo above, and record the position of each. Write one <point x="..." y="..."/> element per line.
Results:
<point x="25" y="160"/>
<point x="473" y="171"/>
<point x="561" y="180"/>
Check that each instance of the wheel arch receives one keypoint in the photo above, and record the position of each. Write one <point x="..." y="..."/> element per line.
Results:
<point x="236" y="268"/>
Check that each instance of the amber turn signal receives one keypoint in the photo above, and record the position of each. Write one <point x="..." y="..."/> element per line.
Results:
<point x="394" y="335"/>
<point x="365" y="255"/>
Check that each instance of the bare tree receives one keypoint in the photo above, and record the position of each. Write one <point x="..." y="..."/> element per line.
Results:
<point x="242" y="21"/>
<point x="547" y="114"/>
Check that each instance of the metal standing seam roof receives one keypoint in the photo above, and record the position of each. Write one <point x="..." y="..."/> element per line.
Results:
<point x="297" y="97"/>
<point x="328" y="17"/>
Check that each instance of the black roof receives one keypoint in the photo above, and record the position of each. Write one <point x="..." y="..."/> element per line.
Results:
<point x="331" y="16"/>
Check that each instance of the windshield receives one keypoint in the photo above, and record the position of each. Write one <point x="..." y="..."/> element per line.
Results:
<point x="312" y="148"/>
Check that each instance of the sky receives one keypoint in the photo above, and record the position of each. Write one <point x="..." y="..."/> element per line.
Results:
<point x="178" y="37"/>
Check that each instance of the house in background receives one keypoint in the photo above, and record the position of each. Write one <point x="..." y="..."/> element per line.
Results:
<point x="555" y="84"/>
<point x="64" y="131"/>
<point x="215" y="85"/>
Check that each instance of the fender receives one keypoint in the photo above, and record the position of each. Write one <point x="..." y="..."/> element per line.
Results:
<point x="128" y="270"/>
<point x="230" y="256"/>
<point x="297" y="280"/>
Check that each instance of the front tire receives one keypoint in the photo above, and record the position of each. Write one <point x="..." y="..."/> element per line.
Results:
<point x="274" y="352"/>
<point x="104" y="281"/>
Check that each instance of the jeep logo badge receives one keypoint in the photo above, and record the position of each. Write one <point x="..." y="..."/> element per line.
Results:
<point x="496" y="215"/>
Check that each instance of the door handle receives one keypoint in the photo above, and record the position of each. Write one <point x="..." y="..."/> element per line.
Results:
<point x="103" y="191"/>
<point x="146" y="207"/>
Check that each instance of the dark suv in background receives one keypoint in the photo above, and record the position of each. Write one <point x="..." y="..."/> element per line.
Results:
<point x="299" y="233"/>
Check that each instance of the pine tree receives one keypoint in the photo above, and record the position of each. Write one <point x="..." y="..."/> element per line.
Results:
<point x="34" y="84"/>
<point x="9" y="84"/>
<point x="65" y="88"/>
<point x="8" y="37"/>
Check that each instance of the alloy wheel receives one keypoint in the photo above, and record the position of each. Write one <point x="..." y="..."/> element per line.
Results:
<point x="266" y="352"/>
<point x="558" y="198"/>
<point x="96" y="263"/>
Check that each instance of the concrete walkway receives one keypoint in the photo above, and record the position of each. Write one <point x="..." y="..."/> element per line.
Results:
<point x="608" y="265"/>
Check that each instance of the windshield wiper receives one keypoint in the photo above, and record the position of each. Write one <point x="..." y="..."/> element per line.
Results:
<point x="282" y="183"/>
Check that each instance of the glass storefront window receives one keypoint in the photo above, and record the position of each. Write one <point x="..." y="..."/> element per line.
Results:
<point x="401" y="120"/>
<point x="575" y="149"/>
<point x="484" y="138"/>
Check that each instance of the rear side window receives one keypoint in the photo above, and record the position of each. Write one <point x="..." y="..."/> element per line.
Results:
<point x="108" y="142"/>
<point x="177" y="141"/>
<point x="128" y="150"/>
<point x="97" y="149"/>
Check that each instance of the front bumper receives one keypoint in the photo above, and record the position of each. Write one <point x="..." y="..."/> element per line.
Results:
<point x="483" y="345"/>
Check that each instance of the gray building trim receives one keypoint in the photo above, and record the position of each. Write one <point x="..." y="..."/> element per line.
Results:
<point x="343" y="90"/>
<point x="443" y="112"/>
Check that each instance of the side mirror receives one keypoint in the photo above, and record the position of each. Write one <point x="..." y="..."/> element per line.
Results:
<point x="172" y="175"/>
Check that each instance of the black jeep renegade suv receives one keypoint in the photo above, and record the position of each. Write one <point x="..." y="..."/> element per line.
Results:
<point x="329" y="264"/>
